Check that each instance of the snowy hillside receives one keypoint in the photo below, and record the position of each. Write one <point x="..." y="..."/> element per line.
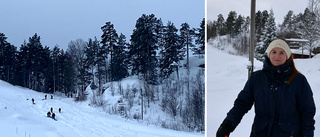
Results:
<point x="226" y="76"/>
<point x="20" y="118"/>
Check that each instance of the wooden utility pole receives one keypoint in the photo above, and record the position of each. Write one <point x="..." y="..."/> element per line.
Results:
<point x="252" y="37"/>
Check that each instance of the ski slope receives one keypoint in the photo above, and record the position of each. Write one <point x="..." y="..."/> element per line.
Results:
<point x="20" y="118"/>
<point x="227" y="75"/>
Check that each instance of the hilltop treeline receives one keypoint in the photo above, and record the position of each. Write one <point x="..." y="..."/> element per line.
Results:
<point x="154" y="52"/>
<point x="304" y="25"/>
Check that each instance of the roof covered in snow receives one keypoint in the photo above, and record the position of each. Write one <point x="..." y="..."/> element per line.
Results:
<point x="296" y="40"/>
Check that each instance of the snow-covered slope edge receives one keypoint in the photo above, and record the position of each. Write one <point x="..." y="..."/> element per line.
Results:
<point x="19" y="117"/>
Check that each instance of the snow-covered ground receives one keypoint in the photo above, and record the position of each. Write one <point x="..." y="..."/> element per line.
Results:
<point x="226" y="76"/>
<point x="20" y="118"/>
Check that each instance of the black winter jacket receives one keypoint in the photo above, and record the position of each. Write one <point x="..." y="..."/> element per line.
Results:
<point x="281" y="110"/>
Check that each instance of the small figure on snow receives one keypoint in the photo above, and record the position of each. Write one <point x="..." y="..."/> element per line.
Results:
<point x="32" y="101"/>
<point x="59" y="110"/>
<point x="51" y="96"/>
<point x="51" y="109"/>
<point x="45" y="96"/>
<point x="53" y="116"/>
<point x="49" y="114"/>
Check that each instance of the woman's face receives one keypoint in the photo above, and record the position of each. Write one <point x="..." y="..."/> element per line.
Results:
<point x="277" y="56"/>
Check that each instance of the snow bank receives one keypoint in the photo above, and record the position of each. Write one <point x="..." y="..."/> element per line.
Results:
<point x="19" y="117"/>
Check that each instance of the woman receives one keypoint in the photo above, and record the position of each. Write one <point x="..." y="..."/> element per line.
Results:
<point x="282" y="98"/>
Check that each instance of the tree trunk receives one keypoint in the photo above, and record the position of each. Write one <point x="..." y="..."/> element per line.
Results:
<point x="141" y="103"/>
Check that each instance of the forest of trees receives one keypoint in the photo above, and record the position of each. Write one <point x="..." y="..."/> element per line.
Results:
<point x="303" y="25"/>
<point x="153" y="47"/>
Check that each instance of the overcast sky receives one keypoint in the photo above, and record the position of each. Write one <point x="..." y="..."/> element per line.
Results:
<point x="243" y="7"/>
<point x="57" y="22"/>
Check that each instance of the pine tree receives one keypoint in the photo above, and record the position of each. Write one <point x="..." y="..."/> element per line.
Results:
<point x="67" y="73"/>
<point x="172" y="51"/>
<point x="200" y="36"/>
<point x="231" y="22"/>
<point x="3" y="44"/>
<point x="59" y="74"/>
<point x="7" y="59"/>
<point x="94" y="60"/>
<point x="118" y="65"/>
<point x="288" y="28"/>
<point x="144" y="43"/>
<point x="260" y="21"/>
<point x="109" y="40"/>
<point x="186" y="34"/>
<point x="221" y="25"/>
<point x="264" y="19"/>
<point x="211" y="29"/>
<point x="246" y="25"/>
<point x="102" y="69"/>
<point x="55" y="69"/>
<point x="91" y="50"/>
<point x="268" y="35"/>
<point x="21" y="66"/>
<point x="34" y="57"/>
<point x="46" y="66"/>
<point x="238" y="25"/>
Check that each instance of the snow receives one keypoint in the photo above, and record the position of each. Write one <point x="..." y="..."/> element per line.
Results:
<point x="299" y="51"/>
<point x="226" y="76"/>
<point x="297" y="40"/>
<point x="19" y="117"/>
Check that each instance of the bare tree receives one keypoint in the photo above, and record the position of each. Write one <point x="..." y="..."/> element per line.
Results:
<point x="76" y="50"/>
<point x="313" y="6"/>
<point x="309" y="28"/>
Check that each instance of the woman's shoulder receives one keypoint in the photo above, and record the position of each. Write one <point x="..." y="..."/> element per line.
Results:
<point x="259" y="72"/>
<point x="301" y="77"/>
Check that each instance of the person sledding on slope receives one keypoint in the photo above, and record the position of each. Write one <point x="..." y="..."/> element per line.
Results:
<point x="281" y="95"/>
<point x="49" y="114"/>
<point x="53" y="116"/>
<point x="32" y="101"/>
